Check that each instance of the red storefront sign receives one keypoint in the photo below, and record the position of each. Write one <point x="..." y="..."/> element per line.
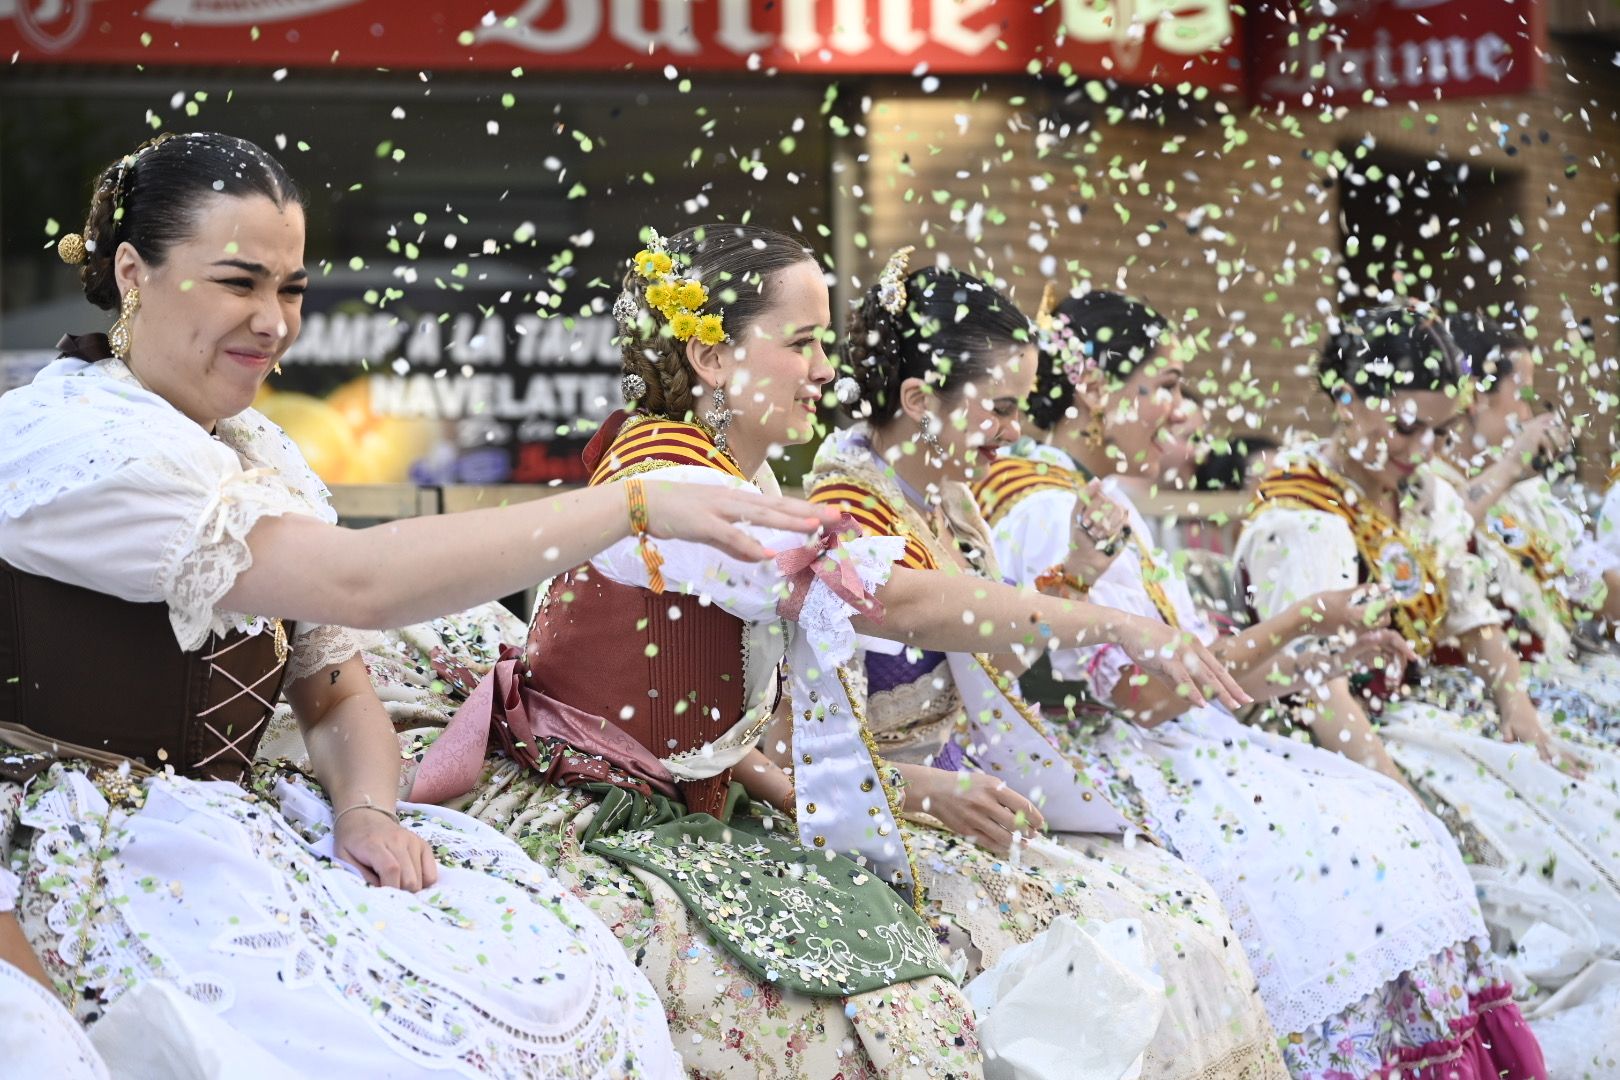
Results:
<point x="1333" y="53"/>
<point x="1136" y="41"/>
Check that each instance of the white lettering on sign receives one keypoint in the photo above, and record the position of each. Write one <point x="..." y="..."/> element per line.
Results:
<point x="237" y="12"/>
<point x="558" y="397"/>
<point x="1413" y="65"/>
<point x="799" y="33"/>
<point x="334" y="338"/>
<point x="346" y="338"/>
<point x="1180" y="27"/>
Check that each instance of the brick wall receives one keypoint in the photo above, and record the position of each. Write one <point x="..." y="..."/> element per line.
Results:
<point x="1225" y="218"/>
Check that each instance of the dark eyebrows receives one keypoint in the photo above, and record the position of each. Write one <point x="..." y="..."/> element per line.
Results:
<point x="259" y="269"/>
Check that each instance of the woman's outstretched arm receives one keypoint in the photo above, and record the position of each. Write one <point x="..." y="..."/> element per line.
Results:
<point x="419" y="568"/>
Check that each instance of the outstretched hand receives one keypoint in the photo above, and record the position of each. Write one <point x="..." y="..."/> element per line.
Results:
<point x="1522" y="724"/>
<point x="715" y="515"/>
<point x="975" y="805"/>
<point x="1181" y="661"/>
<point x="1101" y="529"/>
<point x="1376" y="649"/>
<point x="1360" y="608"/>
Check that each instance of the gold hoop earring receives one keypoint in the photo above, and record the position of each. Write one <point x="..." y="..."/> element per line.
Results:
<point x="118" y="338"/>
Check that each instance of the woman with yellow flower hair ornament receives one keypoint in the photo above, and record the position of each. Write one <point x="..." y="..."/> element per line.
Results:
<point x="772" y="910"/>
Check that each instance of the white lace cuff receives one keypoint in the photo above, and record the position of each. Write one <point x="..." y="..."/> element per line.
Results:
<point x="825" y="615"/>
<point x="322" y="646"/>
<point x="202" y="562"/>
<point x="10" y="886"/>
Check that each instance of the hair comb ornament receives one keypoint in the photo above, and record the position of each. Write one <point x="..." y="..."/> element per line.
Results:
<point x="892" y="282"/>
<point x="1044" y="313"/>
<point x="72" y="249"/>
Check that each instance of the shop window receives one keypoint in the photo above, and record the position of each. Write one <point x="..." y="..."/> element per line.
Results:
<point x="1430" y="228"/>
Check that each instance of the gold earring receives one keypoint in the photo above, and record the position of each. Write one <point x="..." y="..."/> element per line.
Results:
<point x="118" y="338"/>
<point x="1093" y="431"/>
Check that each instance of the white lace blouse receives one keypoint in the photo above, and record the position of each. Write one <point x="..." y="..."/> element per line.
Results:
<point x="105" y="485"/>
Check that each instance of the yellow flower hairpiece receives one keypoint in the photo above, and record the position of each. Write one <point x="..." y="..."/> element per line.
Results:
<point x="680" y="300"/>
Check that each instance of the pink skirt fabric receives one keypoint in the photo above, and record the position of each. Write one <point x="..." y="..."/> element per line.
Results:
<point x="1449" y="1018"/>
<point x="1493" y="1042"/>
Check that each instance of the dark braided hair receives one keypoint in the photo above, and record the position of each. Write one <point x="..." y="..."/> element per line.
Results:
<point x="736" y="263"/>
<point x="953" y="328"/>
<point x="151" y="198"/>
<point x="1488" y="346"/>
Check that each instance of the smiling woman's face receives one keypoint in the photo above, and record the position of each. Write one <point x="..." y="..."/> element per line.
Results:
<point x="221" y="309"/>
<point x="778" y="366"/>
<point x="1138" y="413"/>
<point x="1394" y="436"/>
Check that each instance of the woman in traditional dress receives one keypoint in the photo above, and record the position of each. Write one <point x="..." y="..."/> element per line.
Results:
<point x="159" y="543"/>
<point x="629" y="729"/>
<point x="940" y="362"/>
<point x="1305" y="848"/>
<point x="1357" y="508"/>
<point x="1530" y="539"/>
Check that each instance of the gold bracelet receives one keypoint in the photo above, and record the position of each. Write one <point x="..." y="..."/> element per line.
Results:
<point x="367" y="805"/>
<point x="789" y="808"/>
<point x="637" y="496"/>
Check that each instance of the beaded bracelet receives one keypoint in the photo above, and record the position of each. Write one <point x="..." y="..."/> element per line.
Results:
<point x="637" y="496"/>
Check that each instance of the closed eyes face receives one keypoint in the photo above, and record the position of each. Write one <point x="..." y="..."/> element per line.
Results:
<point x="1500" y="415"/>
<point x="222" y="308"/>
<point x="1398" y="434"/>
<point x="1139" y="412"/>
<point x="986" y="413"/>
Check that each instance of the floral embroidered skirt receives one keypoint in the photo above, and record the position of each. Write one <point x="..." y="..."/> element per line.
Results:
<point x="725" y="1020"/>
<point x="231" y="897"/>
<point x="1206" y="771"/>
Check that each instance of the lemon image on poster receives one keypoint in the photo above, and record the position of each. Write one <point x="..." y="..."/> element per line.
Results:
<point x="343" y="440"/>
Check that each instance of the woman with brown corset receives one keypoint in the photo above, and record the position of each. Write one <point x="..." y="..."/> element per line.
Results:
<point x="168" y="566"/>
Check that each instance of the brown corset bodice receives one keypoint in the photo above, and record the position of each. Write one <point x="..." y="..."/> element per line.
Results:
<point x="88" y="668"/>
<point x="614" y="651"/>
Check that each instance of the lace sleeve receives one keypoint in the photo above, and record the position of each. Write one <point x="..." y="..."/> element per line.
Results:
<point x="322" y="646"/>
<point x="825" y="615"/>
<point x="205" y="556"/>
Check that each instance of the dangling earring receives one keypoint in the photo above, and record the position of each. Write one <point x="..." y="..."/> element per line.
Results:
<point x="118" y="338"/>
<point x="718" y="418"/>
<point x="929" y="439"/>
